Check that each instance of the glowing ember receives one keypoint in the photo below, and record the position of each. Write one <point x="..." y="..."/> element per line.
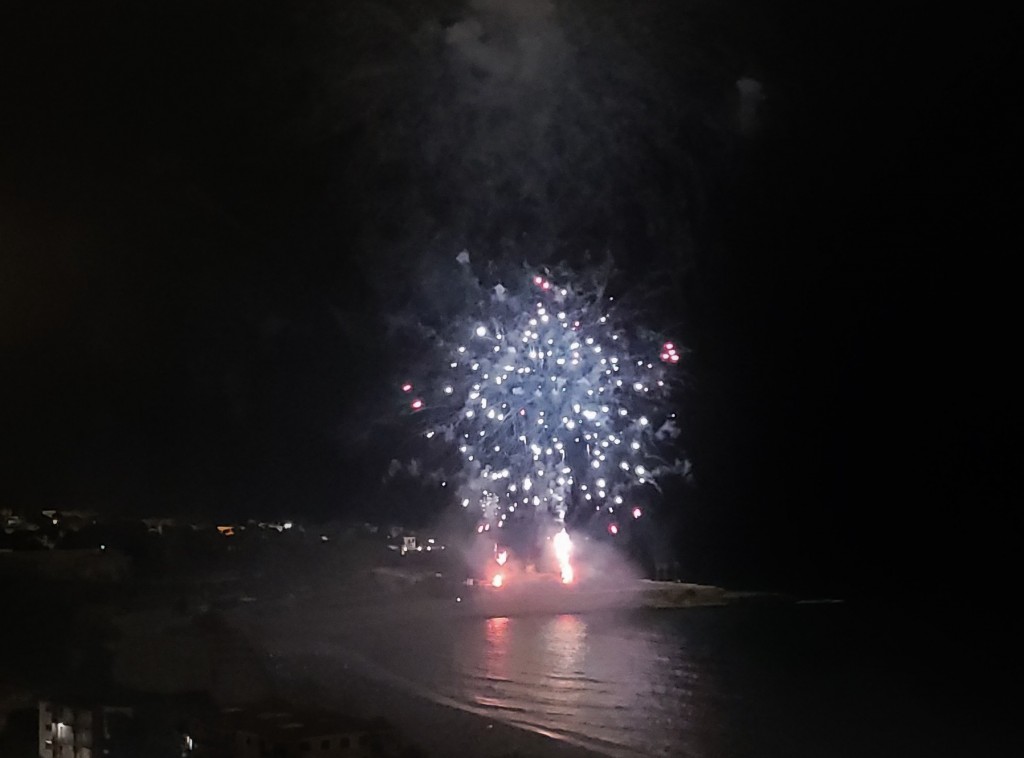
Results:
<point x="498" y="580"/>
<point x="637" y="513"/>
<point x="563" y="547"/>
<point x="501" y="557"/>
<point x="613" y="528"/>
<point x="669" y="353"/>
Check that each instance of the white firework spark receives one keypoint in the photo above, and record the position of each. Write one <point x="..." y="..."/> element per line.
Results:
<point x="555" y="399"/>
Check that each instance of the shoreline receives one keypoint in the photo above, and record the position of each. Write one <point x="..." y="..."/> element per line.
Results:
<point x="541" y="598"/>
<point x="427" y="721"/>
<point x="442" y="725"/>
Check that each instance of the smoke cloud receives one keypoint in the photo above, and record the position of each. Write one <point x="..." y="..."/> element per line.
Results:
<point x="526" y="129"/>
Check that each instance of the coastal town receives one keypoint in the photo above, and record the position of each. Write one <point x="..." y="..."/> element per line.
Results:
<point x="122" y="646"/>
<point x="140" y="634"/>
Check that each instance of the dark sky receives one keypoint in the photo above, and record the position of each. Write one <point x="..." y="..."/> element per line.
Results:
<point x="209" y="209"/>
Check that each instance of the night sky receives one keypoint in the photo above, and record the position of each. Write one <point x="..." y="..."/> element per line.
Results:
<point x="210" y="213"/>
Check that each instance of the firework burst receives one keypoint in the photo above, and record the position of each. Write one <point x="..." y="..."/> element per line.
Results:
<point x="554" y="396"/>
